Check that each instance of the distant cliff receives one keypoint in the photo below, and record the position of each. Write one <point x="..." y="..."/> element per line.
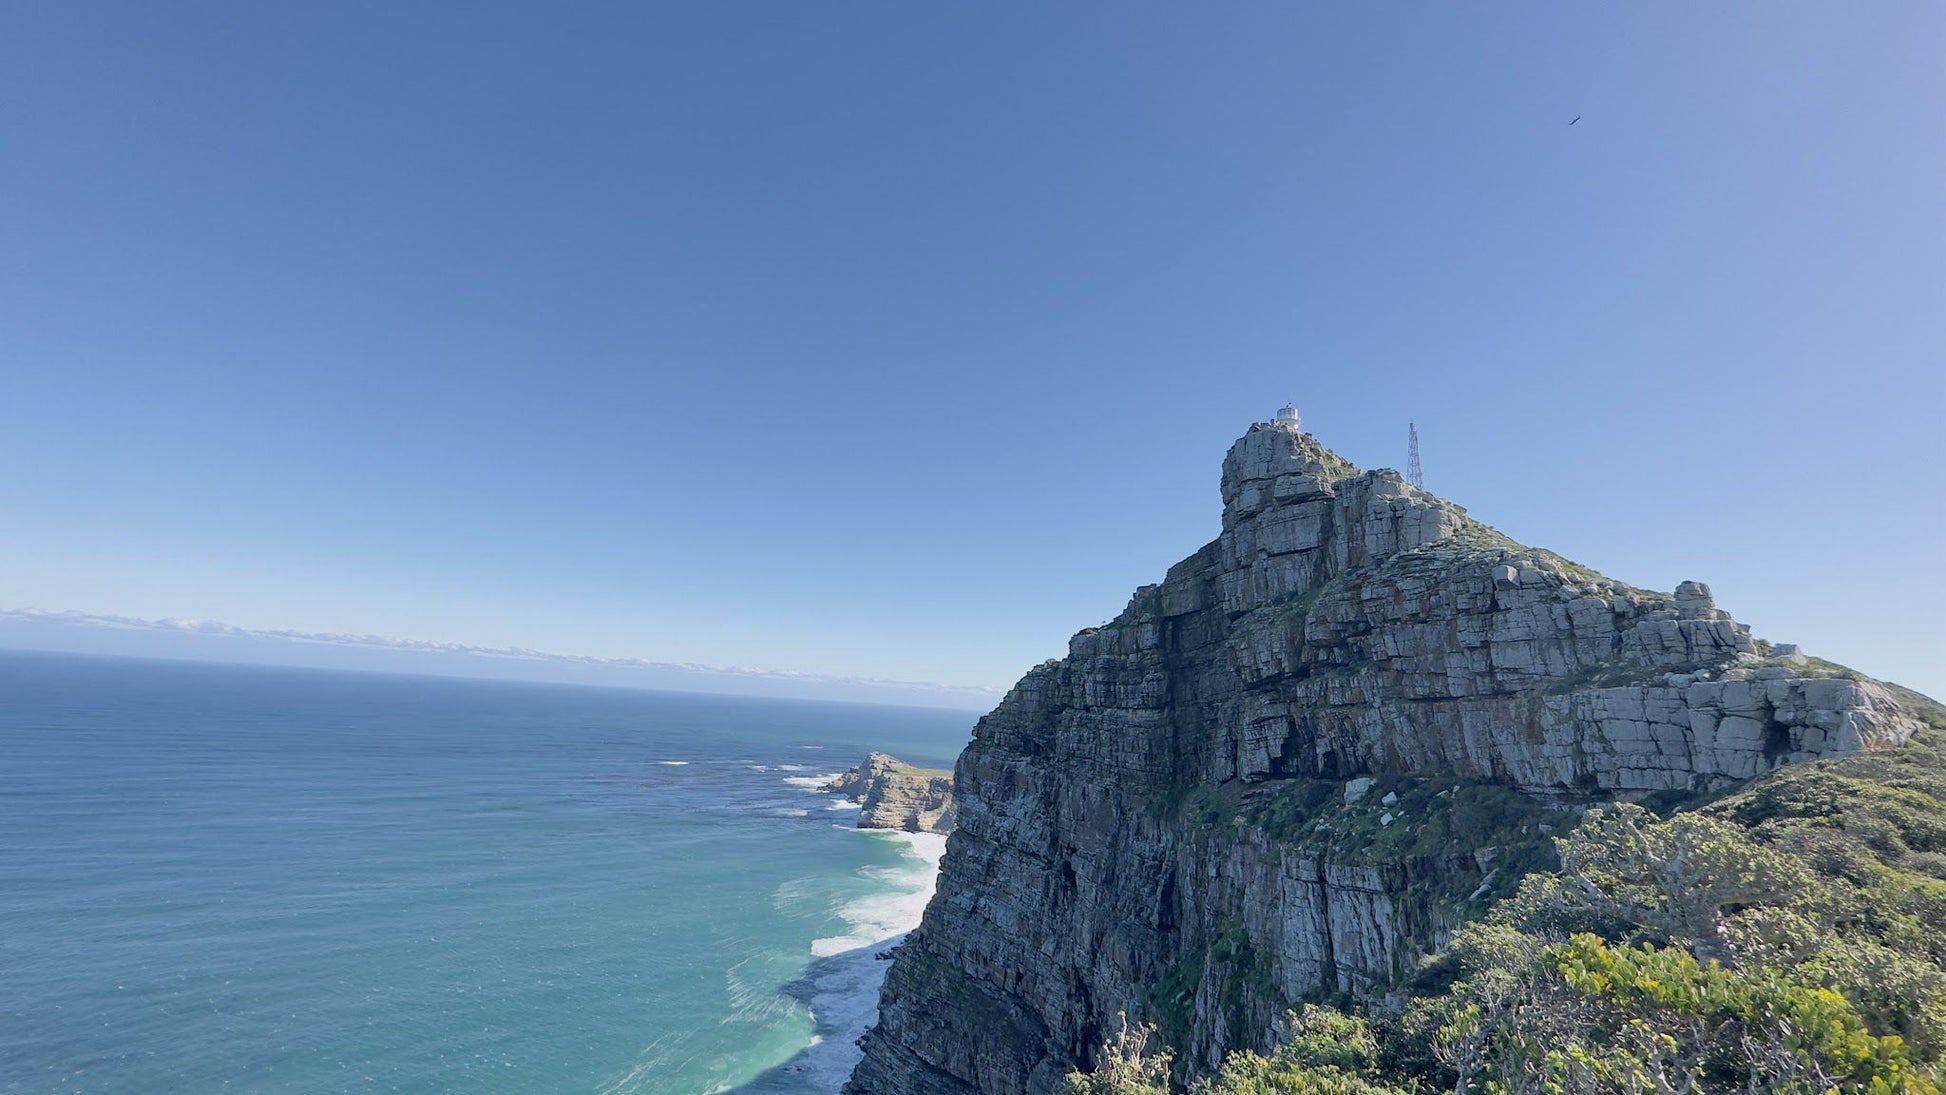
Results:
<point x="894" y="795"/>
<point x="1296" y="766"/>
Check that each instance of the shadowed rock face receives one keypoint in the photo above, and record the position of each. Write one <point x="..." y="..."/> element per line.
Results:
<point x="1344" y="625"/>
<point x="892" y="794"/>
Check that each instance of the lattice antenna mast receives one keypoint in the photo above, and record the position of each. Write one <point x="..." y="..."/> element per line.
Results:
<point x="1414" y="474"/>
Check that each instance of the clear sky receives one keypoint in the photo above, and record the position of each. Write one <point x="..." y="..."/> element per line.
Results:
<point x="903" y="340"/>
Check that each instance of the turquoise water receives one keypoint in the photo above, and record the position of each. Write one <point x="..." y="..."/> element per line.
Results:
<point x="227" y="878"/>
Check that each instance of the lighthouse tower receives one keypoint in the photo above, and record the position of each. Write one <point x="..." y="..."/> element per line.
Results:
<point x="1286" y="417"/>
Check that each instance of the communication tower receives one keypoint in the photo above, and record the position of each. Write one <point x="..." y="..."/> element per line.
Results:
<point x="1414" y="474"/>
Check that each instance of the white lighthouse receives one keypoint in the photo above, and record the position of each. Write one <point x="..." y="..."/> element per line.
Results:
<point x="1286" y="417"/>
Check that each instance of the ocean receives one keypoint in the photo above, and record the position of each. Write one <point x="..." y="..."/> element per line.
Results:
<point x="228" y="878"/>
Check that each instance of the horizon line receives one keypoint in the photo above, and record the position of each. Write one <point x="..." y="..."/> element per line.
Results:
<point x="218" y="629"/>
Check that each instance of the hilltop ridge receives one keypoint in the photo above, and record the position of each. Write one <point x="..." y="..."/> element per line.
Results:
<point x="1296" y="765"/>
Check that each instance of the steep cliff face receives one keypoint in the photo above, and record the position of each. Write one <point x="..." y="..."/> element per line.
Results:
<point x="1294" y="766"/>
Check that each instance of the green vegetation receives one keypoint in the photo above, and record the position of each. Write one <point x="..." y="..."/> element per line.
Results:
<point x="1626" y="673"/>
<point x="1472" y="534"/>
<point x="1437" y="818"/>
<point x="1128" y="1067"/>
<point x="1247" y="976"/>
<point x="1818" y="667"/>
<point x="1321" y="1051"/>
<point x="1922" y="707"/>
<point x="1586" y="1015"/>
<point x="1335" y="467"/>
<point x="1570" y="568"/>
<point x="1172" y="1001"/>
<point x="1208" y="806"/>
<point x="1204" y="805"/>
<point x="1783" y="938"/>
<point x="1294" y="607"/>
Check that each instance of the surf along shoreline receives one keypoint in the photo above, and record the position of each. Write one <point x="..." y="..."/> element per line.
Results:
<point x="840" y="987"/>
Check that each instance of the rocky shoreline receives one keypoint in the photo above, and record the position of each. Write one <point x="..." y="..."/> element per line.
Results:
<point x="895" y="795"/>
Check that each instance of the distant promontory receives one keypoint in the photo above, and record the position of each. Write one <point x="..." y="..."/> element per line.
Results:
<point x="895" y="795"/>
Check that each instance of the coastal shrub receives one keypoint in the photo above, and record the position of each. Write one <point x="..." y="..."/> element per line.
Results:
<point x="1322" y="1051"/>
<point x="1126" y="1066"/>
<point x="1691" y="955"/>
<point x="1784" y="937"/>
<point x="1667" y="881"/>
<point x="1586" y="1016"/>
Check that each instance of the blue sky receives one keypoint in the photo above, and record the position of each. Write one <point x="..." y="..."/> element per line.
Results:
<point x="902" y="341"/>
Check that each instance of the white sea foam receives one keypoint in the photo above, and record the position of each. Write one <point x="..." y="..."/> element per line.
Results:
<point x="843" y="994"/>
<point x="811" y="783"/>
<point x="674" y="763"/>
<point x="841" y="987"/>
<point x="750" y="1002"/>
<point x="895" y="911"/>
<point x="793" y="768"/>
<point x="792" y="893"/>
<point x="844" y="983"/>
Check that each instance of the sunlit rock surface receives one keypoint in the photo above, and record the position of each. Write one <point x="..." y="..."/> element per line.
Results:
<point x="1345" y="627"/>
<point x="892" y="794"/>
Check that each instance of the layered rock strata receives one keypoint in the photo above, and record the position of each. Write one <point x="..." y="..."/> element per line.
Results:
<point x="892" y="794"/>
<point x="1178" y="821"/>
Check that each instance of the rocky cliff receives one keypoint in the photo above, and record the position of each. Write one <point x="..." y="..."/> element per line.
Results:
<point x="892" y="794"/>
<point x="1292" y="768"/>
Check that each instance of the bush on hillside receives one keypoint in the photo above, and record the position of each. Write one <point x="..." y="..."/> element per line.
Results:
<point x="1783" y="939"/>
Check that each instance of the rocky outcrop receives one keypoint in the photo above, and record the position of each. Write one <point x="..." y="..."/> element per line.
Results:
<point x="1295" y="765"/>
<point x="892" y="794"/>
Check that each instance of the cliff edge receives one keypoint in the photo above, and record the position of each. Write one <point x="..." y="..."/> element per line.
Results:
<point x="1294" y="767"/>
